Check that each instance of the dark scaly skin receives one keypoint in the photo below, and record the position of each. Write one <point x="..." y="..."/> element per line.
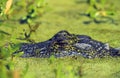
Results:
<point x="66" y="44"/>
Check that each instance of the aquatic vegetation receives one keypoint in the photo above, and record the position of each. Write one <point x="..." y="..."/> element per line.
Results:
<point x="99" y="13"/>
<point x="41" y="26"/>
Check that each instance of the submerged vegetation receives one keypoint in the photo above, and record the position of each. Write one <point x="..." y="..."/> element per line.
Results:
<point x="28" y="21"/>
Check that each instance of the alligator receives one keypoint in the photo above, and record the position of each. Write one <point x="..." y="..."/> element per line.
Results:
<point x="66" y="44"/>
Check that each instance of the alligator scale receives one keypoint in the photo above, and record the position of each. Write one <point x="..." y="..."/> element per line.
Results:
<point x="65" y="44"/>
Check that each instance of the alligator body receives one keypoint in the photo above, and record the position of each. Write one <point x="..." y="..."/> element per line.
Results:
<point x="65" y="44"/>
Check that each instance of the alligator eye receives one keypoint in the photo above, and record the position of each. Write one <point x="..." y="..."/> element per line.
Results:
<point x="64" y="35"/>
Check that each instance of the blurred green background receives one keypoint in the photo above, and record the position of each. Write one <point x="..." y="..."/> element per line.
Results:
<point x="36" y="21"/>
